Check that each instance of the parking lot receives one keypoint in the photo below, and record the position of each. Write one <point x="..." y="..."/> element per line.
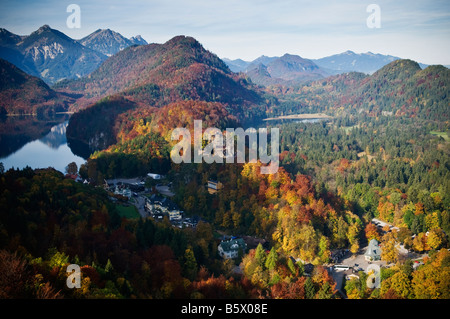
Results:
<point x="357" y="262"/>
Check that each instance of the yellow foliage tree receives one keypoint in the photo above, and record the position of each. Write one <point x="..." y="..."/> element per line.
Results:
<point x="432" y="281"/>
<point x="420" y="242"/>
<point x="400" y="283"/>
<point x="389" y="251"/>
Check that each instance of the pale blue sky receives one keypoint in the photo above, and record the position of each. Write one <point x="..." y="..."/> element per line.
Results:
<point x="415" y="29"/>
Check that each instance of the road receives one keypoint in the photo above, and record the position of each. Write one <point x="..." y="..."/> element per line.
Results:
<point x="164" y="190"/>
<point x="139" y="203"/>
<point x="124" y="180"/>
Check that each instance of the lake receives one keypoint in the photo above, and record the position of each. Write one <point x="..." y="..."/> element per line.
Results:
<point x="301" y="118"/>
<point x="51" y="150"/>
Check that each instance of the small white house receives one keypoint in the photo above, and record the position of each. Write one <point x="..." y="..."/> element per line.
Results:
<point x="230" y="248"/>
<point x="373" y="252"/>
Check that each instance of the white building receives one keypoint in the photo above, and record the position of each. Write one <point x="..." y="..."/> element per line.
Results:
<point x="373" y="252"/>
<point x="230" y="248"/>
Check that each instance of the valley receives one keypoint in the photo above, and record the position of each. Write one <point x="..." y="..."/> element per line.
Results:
<point x="380" y="152"/>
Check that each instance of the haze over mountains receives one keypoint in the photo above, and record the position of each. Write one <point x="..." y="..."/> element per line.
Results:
<point x="51" y="55"/>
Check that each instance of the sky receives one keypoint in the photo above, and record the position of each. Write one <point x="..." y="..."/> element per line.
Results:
<point x="246" y="29"/>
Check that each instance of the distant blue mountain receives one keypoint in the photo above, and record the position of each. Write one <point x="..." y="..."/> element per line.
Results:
<point x="53" y="56"/>
<point x="288" y="69"/>
<point x="350" y="61"/>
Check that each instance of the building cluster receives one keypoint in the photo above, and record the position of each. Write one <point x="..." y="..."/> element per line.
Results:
<point x="124" y="189"/>
<point x="159" y="206"/>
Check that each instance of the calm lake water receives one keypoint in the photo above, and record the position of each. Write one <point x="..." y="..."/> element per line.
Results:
<point x="51" y="150"/>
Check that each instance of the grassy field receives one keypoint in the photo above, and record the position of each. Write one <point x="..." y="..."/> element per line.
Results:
<point x="444" y="135"/>
<point x="129" y="212"/>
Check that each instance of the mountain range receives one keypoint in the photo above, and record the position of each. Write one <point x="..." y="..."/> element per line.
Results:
<point x="293" y="69"/>
<point x="109" y="42"/>
<point x="51" y="55"/>
<point x="288" y="69"/>
<point x="155" y="86"/>
<point x="350" y="61"/>
<point x="158" y="74"/>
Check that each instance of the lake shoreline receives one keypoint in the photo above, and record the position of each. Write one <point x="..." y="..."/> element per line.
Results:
<point x="307" y="116"/>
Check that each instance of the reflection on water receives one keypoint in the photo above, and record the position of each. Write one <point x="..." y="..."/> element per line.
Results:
<point x="51" y="150"/>
<point x="56" y="137"/>
<point x="79" y="148"/>
<point x="16" y="131"/>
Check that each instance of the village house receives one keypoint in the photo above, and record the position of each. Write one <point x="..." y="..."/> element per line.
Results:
<point x="124" y="191"/>
<point x="214" y="186"/>
<point x="230" y="248"/>
<point x="373" y="251"/>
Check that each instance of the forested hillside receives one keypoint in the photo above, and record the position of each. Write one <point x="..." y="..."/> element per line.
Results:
<point x="21" y="93"/>
<point x="158" y="74"/>
<point x="138" y="81"/>
<point x="401" y="88"/>
<point x="56" y="221"/>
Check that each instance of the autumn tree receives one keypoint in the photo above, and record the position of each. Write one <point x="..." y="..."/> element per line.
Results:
<point x="399" y="283"/>
<point x="431" y="281"/>
<point x="389" y="251"/>
<point x="436" y="238"/>
<point x="372" y="232"/>
<point x="14" y="276"/>
<point x="72" y="168"/>
<point x="420" y="242"/>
